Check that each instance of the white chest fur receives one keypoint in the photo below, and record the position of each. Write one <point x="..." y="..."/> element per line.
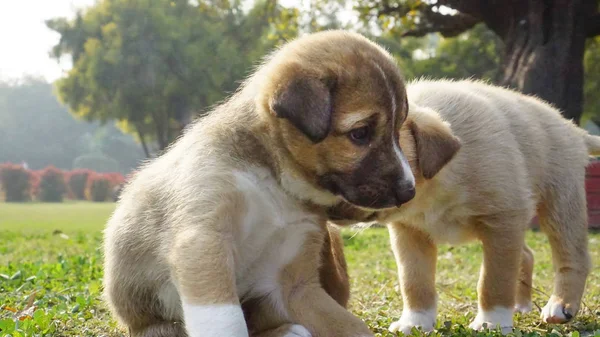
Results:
<point x="270" y="236"/>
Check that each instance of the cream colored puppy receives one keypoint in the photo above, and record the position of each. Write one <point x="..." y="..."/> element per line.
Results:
<point x="222" y="234"/>
<point x="486" y="160"/>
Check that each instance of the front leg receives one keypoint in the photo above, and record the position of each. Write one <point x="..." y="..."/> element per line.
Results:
<point x="497" y="288"/>
<point x="203" y="268"/>
<point x="286" y="330"/>
<point x="416" y="256"/>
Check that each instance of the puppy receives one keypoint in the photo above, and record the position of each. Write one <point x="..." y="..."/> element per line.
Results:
<point x="486" y="160"/>
<point x="222" y="235"/>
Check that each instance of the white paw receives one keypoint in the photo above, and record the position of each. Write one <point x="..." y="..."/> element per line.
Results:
<point x="297" y="330"/>
<point x="524" y="308"/>
<point x="214" y="320"/>
<point x="555" y="312"/>
<point x="499" y="317"/>
<point x="421" y="319"/>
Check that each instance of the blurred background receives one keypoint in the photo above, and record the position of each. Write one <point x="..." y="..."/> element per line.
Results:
<point x="90" y="89"/>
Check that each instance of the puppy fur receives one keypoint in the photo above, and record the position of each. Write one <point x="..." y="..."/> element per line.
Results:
<point x="486" y="160"/>
<point x="224" y="233"/>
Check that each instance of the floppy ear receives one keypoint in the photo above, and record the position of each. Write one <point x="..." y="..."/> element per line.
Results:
<point x="307" y="104"/>
<point x="435" y="143"/>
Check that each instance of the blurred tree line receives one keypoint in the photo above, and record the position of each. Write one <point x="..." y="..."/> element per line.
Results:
<point x="36" y="129"/>
<point x="153" y="65"/>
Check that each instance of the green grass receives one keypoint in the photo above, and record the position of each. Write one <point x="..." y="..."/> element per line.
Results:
<point x="67" y="216"/>
<point x="60" y="274"/>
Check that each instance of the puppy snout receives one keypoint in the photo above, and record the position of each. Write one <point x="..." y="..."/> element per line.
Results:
<point x="404" y="192"/>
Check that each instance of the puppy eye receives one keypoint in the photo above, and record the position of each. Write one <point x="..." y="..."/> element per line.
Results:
<point x="360" y="136"/>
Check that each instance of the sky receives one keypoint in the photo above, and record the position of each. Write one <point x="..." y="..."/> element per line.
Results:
<point x="25" y="41"/>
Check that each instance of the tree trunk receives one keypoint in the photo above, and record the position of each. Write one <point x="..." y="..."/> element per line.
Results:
<point x="544" y="45"/>
<point x="142" y="140"/>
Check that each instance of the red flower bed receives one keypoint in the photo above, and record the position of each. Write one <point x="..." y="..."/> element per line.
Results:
<point x="18" y="184"/>
<point x="15" y="182"/>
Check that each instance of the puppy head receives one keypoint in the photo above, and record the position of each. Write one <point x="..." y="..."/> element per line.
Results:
<point x="429" y="145"/>
<point x="336" y="102"/>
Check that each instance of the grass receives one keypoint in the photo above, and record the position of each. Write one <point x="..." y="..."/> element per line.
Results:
<point x="50" y="259"/>
<point x="86" y="217"/>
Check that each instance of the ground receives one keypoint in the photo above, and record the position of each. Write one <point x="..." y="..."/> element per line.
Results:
<point x="50" y="260"/>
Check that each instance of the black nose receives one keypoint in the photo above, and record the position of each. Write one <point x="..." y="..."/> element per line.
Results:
<point x="404" y="193"/>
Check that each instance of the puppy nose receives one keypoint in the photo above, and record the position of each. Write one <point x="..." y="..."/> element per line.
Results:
<point x="404" y="192"/>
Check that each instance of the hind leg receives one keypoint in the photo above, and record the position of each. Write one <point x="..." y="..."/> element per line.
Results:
<point x="333" y="273"/>
<point x="563" y="217"/>
<point x="163" y="329"/>
<point x="523" y="303"/>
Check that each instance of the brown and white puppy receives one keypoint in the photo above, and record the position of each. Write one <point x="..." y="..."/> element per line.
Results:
<point x="222" y="234"/>
<point x="486" y="160"/>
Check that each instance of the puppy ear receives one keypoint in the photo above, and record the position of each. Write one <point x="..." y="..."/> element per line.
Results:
<point x="307" y="104"/>
<point x="435" y="143"/>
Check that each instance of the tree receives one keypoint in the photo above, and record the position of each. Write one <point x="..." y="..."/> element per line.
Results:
<point x="37" y="129"/>
<point x="154" y="64"/>
<point x="474" y="53"/>
<point x="592" y="81"/>
<point x="544" y="40"/>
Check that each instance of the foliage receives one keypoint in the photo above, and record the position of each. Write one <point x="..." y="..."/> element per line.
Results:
<point x="114" y="178"/>
<point x="62" y="273"/>
<point x="52" y="187"/>
<point x="37" y="129"/>
<point x="100" y="186"/>
<point x="77" y="181"/>
<point x="151" y="64"/>
<point x="96" y="162"/>
<point x="475" y="53"/>
<point x="52" y="184"/>
<point x="592" y="80"/>
<point x="542" y="49"/>
<point x="15" y="182"/>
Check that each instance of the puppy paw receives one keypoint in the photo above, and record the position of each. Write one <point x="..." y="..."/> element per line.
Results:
<point x="499" y="317"/>
<point x="524" y="308"/>
<point x="297" y="330"/>
<point x="410" y="319"/>
<point x="556" y="312"/>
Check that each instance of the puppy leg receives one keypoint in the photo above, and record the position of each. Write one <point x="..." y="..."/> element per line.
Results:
<point x="416" y="257"/>
<point x="286" y="330"/>
<point x="314" y="309"/>
<point x="202" y="264"/>
<point x="308" y="304"/>
<point x="166" y="329"/>
<point x="563" y="218"/>
<point x="333" y="273"/>
<point x="497" y="288"/>
<point x="523" y="302"/>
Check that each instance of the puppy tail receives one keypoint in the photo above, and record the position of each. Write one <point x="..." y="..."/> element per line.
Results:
<point x="593" y="144"/>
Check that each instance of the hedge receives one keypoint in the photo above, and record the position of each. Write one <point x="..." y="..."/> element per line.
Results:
<point x="16" y="182"/>
<point x="52" y="187"/>
<point x="51" y="184"/>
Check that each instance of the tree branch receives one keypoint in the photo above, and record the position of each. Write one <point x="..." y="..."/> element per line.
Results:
<point x="472" y="8"/>
<point x="447" y="25"/>
<point x="592" y="25"/>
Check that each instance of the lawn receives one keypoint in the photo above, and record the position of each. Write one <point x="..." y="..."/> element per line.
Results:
<point x="50" y="259"/>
